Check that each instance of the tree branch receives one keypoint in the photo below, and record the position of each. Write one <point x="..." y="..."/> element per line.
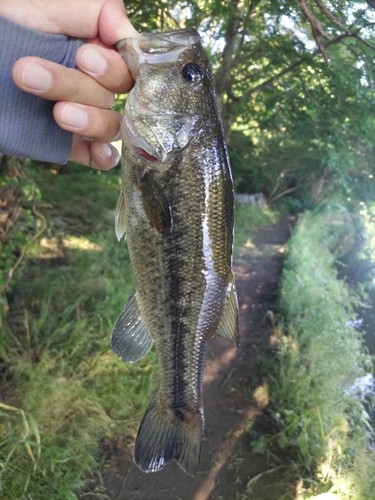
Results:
<point x="316" y="26"/>
<point x="331" y="17"/>
<point x="299" y="61"/>
<point x="250" y="10"/>
<point x="280" y="195"/>
<point x="278" y="180"/>
<point x="273" y="78"/>
<point x="245" y="57"/>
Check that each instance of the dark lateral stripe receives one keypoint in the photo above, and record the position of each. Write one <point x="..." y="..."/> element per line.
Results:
<point x="178" y="329"/>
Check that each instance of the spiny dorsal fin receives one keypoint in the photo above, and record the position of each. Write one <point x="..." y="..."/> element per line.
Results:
<point x="155" y="204"/>
<point x="130" y="338"/>
<point x="228" y="323"/>
<point x="120" y="221"/>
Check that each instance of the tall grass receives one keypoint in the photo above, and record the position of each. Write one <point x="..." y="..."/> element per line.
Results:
<point x="65" y="389"/>
<point x="320" y="425"/>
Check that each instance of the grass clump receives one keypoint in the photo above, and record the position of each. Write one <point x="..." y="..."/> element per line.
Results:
<point x="318" y="423"/>
<point x="63" y="388"/>
<point x="248" y="220"/>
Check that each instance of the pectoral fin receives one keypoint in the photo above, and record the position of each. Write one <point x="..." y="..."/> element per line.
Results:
<point x="155" y="204"/>
<point x="130" y="338"/>
<point x="120" y="220"/>
<point x="228" y="323"/>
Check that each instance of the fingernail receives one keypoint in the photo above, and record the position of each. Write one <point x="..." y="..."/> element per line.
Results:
<point x="106" y="151"/>
<point x="36" y="77"/>
<point x="109" y="152"/>
<point x="93" y="62"/>
<point x="74" y="116"/>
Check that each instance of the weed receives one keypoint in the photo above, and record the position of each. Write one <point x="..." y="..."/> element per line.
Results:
<point x="70" y="388"/>
<point x="319" y="425"/>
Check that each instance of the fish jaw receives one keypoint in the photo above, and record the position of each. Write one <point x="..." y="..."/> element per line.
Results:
<point x="155" y="49"/>
<point x="169" y="135"/>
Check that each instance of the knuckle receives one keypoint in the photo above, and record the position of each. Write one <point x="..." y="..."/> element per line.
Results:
<point x="73" y="86"/>
<point x="111" y="98"/>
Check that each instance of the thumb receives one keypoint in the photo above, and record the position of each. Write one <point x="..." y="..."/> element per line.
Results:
<point x="113" y="23"/>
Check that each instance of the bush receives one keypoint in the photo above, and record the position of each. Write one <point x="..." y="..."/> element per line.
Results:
<point x="320" y="426"/>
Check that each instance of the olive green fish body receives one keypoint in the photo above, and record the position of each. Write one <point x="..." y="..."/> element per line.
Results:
<point x="178" y="219"/>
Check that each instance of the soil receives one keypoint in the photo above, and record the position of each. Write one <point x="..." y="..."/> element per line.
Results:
<point x="233" y="397"/>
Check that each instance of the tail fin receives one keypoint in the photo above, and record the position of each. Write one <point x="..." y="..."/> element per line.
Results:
<point x="162" y="439"/>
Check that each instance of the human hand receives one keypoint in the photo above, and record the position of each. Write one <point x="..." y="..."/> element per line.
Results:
<point x="85" y="94"/>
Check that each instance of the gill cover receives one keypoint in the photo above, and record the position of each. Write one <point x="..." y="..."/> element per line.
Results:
<point x="163" y="107"/>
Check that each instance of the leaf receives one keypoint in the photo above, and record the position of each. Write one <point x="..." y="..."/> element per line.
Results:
<point x="303" y="445"/>
<point x="260" y="444"/>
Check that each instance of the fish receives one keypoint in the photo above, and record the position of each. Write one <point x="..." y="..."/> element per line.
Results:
<point x="176" y="211"/>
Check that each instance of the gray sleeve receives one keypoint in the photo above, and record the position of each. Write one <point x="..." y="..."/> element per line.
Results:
<point x="27" y="126"/>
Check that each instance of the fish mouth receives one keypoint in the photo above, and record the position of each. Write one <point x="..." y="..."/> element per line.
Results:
<point x="141" y="153"/>
<point x="155" y="49"/>
<point x="136" y="143"/>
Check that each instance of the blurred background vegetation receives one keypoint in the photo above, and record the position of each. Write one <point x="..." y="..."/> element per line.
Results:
<point x="295" y="87"/>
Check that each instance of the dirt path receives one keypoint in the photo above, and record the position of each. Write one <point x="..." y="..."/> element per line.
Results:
<point x="227" y="462"/>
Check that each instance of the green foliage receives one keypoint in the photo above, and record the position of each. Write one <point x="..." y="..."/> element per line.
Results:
<point x="18" y="193"/>
<point x="71" y="390"/>
<point x="247" y="175"/>
<point x="354" y="483"/>
<point x="299" y="123"/>
<point x="320" y="425"/>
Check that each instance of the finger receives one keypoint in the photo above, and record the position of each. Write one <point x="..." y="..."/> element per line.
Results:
<point x="102" y="125"/>
<point x="106" y="66"/>
<point x="80" y="19"/>
<point x="55" y="82"/>
<point x="94" y="154"/>
<point x="114" y="24"/>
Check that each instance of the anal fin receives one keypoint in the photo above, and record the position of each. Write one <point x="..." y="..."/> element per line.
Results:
<point x="130" y="338"/>
<point x="228" y="326"/>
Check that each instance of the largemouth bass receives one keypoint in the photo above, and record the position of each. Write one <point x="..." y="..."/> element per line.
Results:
<point x="176" y="208"/>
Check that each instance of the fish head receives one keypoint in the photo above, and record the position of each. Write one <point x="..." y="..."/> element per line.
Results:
<point x="172" y="77"/>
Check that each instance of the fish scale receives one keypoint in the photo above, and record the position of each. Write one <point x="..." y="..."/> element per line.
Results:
<point x="176" y="208"/>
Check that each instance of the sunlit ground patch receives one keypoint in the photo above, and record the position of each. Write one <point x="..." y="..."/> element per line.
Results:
<point x="53" y="248"/>
<point x="80" y="243"/>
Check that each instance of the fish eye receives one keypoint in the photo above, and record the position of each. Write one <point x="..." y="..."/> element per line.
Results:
<point x="192" y="72"/>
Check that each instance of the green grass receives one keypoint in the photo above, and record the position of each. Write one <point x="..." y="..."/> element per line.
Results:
<point x="318" y="424"/>
<point x="248" y="220"/>
<point x="65" y="389"/>
<point x="68" y="386"/>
